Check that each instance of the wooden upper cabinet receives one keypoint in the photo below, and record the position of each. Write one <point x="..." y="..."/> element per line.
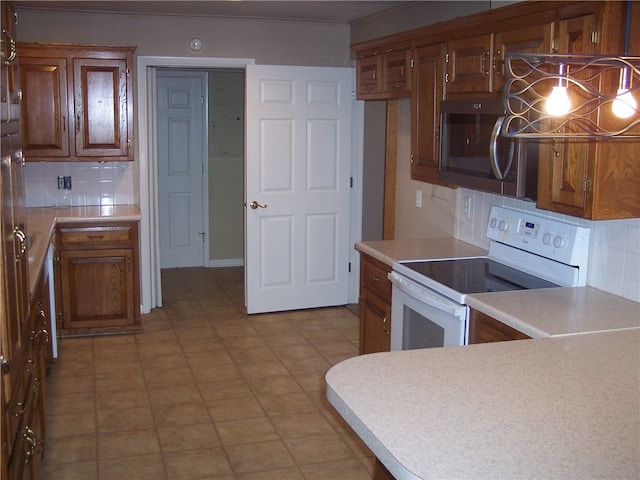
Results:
<point x="78" y="102"/>
<point x="384" y="72"/>
<point x="369" y="75"/>
<point x="101" y="107"/>
<point x="46" y="121"/>
<point x="533" y="39"/>
<point x="427" y="92"/>
<point x="469" y="62"/>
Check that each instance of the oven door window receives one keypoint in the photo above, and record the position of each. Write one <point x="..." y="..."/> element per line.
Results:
<point x="419" y="331"/>
<point x="429" y="322"/>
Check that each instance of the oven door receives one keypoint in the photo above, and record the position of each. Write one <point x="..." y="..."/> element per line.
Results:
<point x="422" y="318"/>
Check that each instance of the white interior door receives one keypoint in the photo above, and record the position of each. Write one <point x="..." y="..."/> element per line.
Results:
<point x="181" y="168"/>
<point x="298" y="161"/>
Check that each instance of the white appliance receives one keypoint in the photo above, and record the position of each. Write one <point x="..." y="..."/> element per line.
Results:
<point x="428" y="304"/>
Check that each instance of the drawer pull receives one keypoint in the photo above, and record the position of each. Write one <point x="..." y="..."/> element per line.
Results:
<point x="385" y="328"/>
<point x="374" y="279"/>
<point x="95" y="237"/>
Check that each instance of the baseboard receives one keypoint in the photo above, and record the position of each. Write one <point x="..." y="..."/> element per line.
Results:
<point x="226" y="262"/>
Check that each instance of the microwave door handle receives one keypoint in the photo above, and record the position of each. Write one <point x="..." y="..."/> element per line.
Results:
<point x="493" y="151"/>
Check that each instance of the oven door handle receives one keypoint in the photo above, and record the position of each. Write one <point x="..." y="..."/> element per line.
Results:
<point x="428" y="297"/>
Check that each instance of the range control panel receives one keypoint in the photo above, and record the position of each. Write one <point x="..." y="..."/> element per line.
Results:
<point x="558" y="240"/>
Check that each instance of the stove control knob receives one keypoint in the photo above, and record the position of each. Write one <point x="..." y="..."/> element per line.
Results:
<point x="559" y="242"/>
<point x="546" y="238"/>
<point x="503" y="226"/>
<point x="493" y="222"/>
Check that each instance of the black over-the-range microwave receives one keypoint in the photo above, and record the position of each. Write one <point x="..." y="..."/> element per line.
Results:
<point x="473" y="154"/>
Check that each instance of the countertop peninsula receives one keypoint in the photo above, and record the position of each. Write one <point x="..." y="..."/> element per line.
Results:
<point x="559" y="407"/>
<point x="565" y="404"/>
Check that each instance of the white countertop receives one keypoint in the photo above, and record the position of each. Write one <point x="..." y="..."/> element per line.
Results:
<point x="389" y="251"/>
<point x="561" y="407"/>
<point x="559" y="311"/>
<point x="41" y="222"/>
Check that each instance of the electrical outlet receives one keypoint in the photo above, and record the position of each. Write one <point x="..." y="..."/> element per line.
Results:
<point x="64" y="182"/>
<point x="60" y="182"/>
<point x="468" y="207"/>
<point x="419" y="198"/>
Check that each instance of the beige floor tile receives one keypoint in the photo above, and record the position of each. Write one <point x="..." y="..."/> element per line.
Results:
<point x="290" y="473"/>
<point x="128" y="444"/>
<point x="259" y="456"/>
<point x="196" y="464"/>
<point x="141" y="467"/>
<point x="205" y="392"/>
<point x="188" y="437"/>
<point x="343" y="469"/>
<point x="286" y="404"/>
<point x="167" y="396"/>
<point x="321" y="448"/>
<point x="183" y="413"/>
<point x="274" y="384"/>
<point x="213" y="391"/>
<point x="74" y="449"/>
<point x="300" y="425"/>
<point x="71" y="424"/>
<point x="132" y="397"/>
<point x="251" y="430"/>
<point x="235" y="409"/>
<point x="70" y="471"/>
<point x="123" y="420"/>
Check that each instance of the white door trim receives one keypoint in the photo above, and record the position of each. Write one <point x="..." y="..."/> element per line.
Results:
<point x="150" y="288"/>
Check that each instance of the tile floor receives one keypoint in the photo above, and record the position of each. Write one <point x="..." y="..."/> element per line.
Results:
<point x="205" y="392"/>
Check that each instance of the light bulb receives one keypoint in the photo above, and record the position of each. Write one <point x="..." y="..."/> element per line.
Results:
<point x="624" y="105"/>
<point x="558" y="102"/>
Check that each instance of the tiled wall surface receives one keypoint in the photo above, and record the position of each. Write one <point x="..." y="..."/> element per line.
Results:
<point x="614" y="253"/>
<point x="92" y="183"/>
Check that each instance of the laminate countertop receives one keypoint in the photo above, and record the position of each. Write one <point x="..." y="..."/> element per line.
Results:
<point x="565" y="404"/>
<point x="558" y="407"/>
<point x="41" y="223"/>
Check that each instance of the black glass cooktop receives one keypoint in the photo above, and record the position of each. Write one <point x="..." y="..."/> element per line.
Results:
<point x="478" y="275"/>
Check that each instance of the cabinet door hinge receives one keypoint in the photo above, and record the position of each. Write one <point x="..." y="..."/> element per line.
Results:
<point x="349" y="267"/>
<point x="353" y="95"/>
<point x="4" y="364"/>
<point x="554" y="44"/>
<point x="350" y="182"/>
<point x="446" y="77"/>
<point x="595" y="37"/>
<point x="126" y="71"/>
<point x="587" y="185"/>
<point x="412" y="63"/>
<point x="128" y="143"/>
<point x="446" y="58"/>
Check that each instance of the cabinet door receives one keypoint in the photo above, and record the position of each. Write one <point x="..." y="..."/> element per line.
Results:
<point x="427" y="92"/>
<point x="535" y="39"/>
<point x="396" y="72"/>
<point x="101" y="109"/>
<point x="97" y="288"/>
<point x="369" y="75"/>
<point x="44" y="107"/>
<point x="375" y="330"/>
<point x="485" y="329"/>
<point x="469" y="65"/>
<point x="563" y="184"/>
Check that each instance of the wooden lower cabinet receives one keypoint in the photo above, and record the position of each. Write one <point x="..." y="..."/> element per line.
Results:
<point x="375" y="306"/>
<point x="98" y="278"/>
<point x="24" y="415"/>
<point x="486" y="329"/>
<point x="380" y="472"/>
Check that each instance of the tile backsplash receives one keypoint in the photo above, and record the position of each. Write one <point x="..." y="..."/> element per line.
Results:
<point x="614" y="252"/>
<point x="92" y="183"/>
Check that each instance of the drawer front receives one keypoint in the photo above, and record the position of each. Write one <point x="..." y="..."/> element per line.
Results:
<point x="375" y="277"/>
<point x="99" y="235"/>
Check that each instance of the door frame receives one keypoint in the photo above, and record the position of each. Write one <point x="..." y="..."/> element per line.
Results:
<point x="146" y="158"/>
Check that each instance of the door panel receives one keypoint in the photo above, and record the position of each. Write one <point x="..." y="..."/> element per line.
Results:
<point x="180" y="169"/>
<point x="298" y="161"/>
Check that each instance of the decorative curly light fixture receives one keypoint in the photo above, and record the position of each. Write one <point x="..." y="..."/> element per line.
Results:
<point x="558" y="95"/>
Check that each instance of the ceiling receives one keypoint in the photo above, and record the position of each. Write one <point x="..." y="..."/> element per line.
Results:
<point x="304" y="10"/>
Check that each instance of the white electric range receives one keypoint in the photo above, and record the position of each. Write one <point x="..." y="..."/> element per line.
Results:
<point x="526" y="251"/>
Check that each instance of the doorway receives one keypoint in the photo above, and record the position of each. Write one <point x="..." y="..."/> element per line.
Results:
<point x="147" y="167"/>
